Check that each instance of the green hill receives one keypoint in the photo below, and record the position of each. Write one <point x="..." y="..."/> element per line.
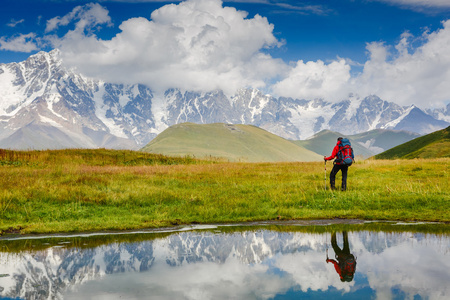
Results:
<point x="364" y="144"/>
<point x="231" y="142"/>
<point x="433" y="145"/>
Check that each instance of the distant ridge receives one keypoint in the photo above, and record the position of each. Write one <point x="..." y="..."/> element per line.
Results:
<point x="324" y="141"/>
<point x="433" y="145"/>
<point x="364" y="144"/>
<point x="231" y="142"/>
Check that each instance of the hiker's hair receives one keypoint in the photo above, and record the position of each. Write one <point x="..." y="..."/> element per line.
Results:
<point x="340" y="138"/>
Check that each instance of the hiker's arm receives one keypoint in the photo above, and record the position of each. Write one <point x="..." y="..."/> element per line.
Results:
<point x="331" y="260"/>
<point x="333" y="154"/>
<point x="336" y="265"/>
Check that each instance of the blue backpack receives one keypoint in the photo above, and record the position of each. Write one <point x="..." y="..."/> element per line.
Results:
<point x="345" y="155"/>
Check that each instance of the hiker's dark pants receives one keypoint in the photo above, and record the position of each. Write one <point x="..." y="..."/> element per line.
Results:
<point x="344" y="257"/>
<point x="338" y="251"/>
<point x="337" y="168"/>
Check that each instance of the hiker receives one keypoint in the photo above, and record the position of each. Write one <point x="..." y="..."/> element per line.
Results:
<point x="343" y="153"/>
<point x="346" y="263"/>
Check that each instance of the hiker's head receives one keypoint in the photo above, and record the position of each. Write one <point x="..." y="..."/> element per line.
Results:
<point x="340" y="139"/>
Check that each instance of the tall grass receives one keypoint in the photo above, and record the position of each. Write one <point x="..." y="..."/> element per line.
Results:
<point x="84" y="190"/>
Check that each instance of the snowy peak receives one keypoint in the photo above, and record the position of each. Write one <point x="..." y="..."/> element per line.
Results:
<point x="415" y="120"/>
<point x="41" y="97"/>
<point x="41" y="91"/>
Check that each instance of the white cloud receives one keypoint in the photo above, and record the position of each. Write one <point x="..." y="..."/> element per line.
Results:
<point x="19" y="43"/>
<point x="13" y="23"/>
<point x="195" y="45"/>
<point x="420" y="3"/>
<point x="315" y="80"/>
<point x="409" y="75"/>
<point x="87" y="16"/>
<point x="201" y="45"/>
<point x="403" y="74"/>
<point x="290" y="6"/>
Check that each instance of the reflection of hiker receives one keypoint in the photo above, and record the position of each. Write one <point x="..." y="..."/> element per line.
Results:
<point x="346" y="263"/>
<point x="343" y="153"/>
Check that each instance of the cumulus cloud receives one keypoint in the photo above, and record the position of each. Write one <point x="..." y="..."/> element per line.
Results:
<point x="312" y="80"/>
<point x="194" y="45"/>
<point x="406" y="74"/>
<point x="202" y="45"/>
<point x="20" y="43"/>
<point x="402" y="73"/>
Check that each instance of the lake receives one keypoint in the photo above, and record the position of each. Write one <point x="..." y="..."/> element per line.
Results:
<point x="256" y="261"/>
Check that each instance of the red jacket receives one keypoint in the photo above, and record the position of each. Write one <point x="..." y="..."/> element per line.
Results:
<point x="335" y="151"/>
<point x="345" y="267"/>
<point x="336" y="266"/>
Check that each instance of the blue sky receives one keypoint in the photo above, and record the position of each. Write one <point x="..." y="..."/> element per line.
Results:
<point x="299" y="49"/>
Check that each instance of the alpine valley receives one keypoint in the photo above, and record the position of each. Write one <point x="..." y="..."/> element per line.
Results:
<point x="44" y="105"/>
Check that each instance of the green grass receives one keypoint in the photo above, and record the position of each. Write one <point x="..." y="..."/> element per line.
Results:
<point x="85" y="242"/>
<point x="433" y="145"/>
<point x="94" y="190"/>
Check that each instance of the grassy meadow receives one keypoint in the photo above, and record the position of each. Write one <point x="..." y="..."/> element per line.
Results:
<point x="94" y="190"/>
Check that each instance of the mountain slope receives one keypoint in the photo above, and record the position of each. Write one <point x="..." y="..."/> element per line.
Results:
<point x="433" y="145"/>
<point x="232" y="142"/>
<point x="39" y="97"/>
<point x="379" y="140"/>
<point x="324" y="141"/>
<point x="364" y="144"/>
<point x="417" y="121"/>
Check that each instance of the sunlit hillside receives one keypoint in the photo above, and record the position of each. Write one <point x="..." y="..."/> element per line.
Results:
<point x="433" y="145"/>
<point x="230" y="142"/>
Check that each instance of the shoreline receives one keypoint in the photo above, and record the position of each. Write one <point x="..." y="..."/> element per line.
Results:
<point x="195" y="227"/>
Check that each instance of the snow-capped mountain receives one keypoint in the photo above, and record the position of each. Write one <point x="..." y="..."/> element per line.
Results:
<point x="440" y="113"/>
<point x="43" y="105"/>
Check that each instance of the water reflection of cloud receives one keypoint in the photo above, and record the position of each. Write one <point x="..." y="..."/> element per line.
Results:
<point x="414" y="270"/>
<point x="248" y="265"/>
<point x="202" y="280"/>
<point x="310" y="271"/>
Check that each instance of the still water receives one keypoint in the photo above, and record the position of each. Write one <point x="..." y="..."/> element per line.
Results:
<point x="274" y="262"/>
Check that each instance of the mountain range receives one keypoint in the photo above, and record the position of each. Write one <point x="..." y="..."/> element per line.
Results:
<point x="44" y="105"/>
